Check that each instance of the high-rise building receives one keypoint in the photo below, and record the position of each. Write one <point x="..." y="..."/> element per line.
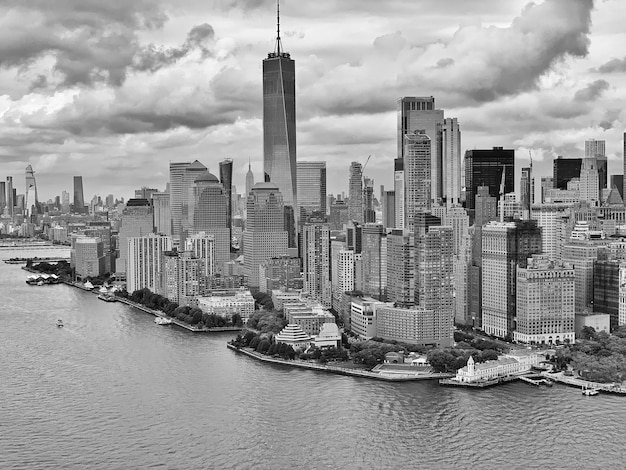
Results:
<point x="374" y="267"/>
<point x="484" y="168"/>
<point x="79" y="198"/>
<point x="546" y="184"/>
<point x="202" y="246"/>
<point x="65" y="202"/>
<point x="88" y="257"/>
<point x="311" y="178"/>
<point x="280" y="273"/>
<point x="145" y="257"/>
<point x="10" y="196"/>
<point x="316" y="262"/>
<point x="398" y="187"/>
<point x="419" y="113"/>
<point x="564" y="170"/>
<point x="180" y="278"/>
<point x="182" y="176"/>
<point x="339" y="215"/>
<point x="162" y="213"/>
<point x="369" y="214"/>
<point x="617" y="181"/>
<point x="102" y="229"/>
<point x="249" y="180"/>
<point x="265" y="236"/>
<point x="417" y="174"/>
<point x="3" y="196"/>
<point x="208" y="207"/>
<point x="416" y="325"/>
<point x="355" y="191"/>
<point x="226" y="178"/>
<point x="451" y="162"/>
<point x="279" y="124"/>
<point x="525" y="192"/>
<point x="434" y="270"/>
<point x="596" y="149"/>
<point x="342" y="276"/>
<point x="624" y="173"/>
<point x="145" y="193"/>
<point x="389" y="208"/>
<point x="606" y="286"/>
<point x="551" y="218"/>
<point x="544" y="302"/>
<point x="401" y="268"/>
<point x="137" y="221"/>
<point x="505" y="245"/>
<point x="32" y="199"/>
<point x="589" y="181"/>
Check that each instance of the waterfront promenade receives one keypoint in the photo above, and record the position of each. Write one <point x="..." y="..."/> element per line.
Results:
<point x="381" y="375"/>
<point x="577" y="382"/>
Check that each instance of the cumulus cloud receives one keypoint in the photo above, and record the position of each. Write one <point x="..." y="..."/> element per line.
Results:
<point x="592" y="91"/>
<point x="613" y="66"/>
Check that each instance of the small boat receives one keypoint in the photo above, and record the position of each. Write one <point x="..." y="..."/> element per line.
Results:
<point x="107" y="297"/>
<point x="60" y="323"/>
<point x="590" y="392"/>
<point x="162" y="321"/>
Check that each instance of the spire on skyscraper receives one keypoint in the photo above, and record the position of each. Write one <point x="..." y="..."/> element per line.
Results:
<point x="278" y="42"/>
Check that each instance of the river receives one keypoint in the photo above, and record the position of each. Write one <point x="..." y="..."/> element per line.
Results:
<point x="114" y="390"/>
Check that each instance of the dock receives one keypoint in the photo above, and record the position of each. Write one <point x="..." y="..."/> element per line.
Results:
<point x="536" y="380"/>
<point x="611" y="388"/>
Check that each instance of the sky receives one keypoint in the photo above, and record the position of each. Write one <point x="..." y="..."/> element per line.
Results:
<point x="115" y="90"/>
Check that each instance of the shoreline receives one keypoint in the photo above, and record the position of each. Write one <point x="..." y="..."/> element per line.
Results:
<point x="338" y="370"/>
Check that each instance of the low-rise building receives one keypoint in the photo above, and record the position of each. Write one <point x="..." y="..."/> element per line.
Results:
<point x="328" y="337"/>
<point x="294" y="336"/>
<point x="228" y="303"/>
<point x="507" y="364"/>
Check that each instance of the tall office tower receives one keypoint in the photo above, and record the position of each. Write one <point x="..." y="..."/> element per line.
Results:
<point x="145" y="256"/>
<point x="279" y="125"/>
<point x="484" y="168"/>
<point x="102" y="230"/>
<point x="208" y="206"/>
<point x="180" y="278"/>
<point x="79" y="198"/>
<point x="182" y="176"/>
<point x="505" y="245"/>
<point x="589" y="181"/>
<point x="419" y="113"/>
<point x="10" y="196"/>
<point x="606" y="285"/>
<point x="354" y="236"/>
<point x="265" y="236"/>
<point x="417" y="174"/>
<point x="226" y="178"/>
<point x="355" y="191"/>
<point x="65" y="202"/>
<point x="546" y="183"/>
<point x="389" y="209"/>
<point x="311" y="177"/>
<point x="110" y="201"/>
<point x="32" y="199"/>
<point x="137" y="221"/>
<point x="596" y="148"/>
<point x="545" y="302"/>
<point x="581" y="250"/>
<point x="457" y="218"/>
<point x="316" y="262"/>
<point x="3" y="196"/>
<point x="343" y="273"/>
<point x="551" y="218"/>
<point x="564" y="170"/>
<point x="162" y="213"/>
<point x="624" y="174"/>
<point x="249" y="180"/>
<point x="398" y="187"/>
<point x="369" y="215"/>
<point x="434" y="271"/>
<point x="374" y="251"/>
<point x="88" y="256"/>
<point x="401" y="268"/>
<point x="525" y="192"/>
<point x="617" y="181"/>
<point x="451" y="162"/>
<point x="145" y="193"/>
<point x="338" y="215"/>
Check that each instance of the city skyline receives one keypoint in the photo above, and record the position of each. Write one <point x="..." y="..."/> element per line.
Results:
<point x="108" y="120"/>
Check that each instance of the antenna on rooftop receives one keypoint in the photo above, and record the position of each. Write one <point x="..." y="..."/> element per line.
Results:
<point x="278" y="42"/>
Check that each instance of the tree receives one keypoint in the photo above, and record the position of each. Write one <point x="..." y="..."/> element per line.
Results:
<point x="254" y="342"/>
<point x="588" y="332"/>
<point x="196" y="315"/>
<point x="263" y="346"/>
<point x="488" y="355"/>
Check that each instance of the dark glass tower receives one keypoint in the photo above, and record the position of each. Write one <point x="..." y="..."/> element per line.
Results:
<point x="484" y="168"/>
<point x="279" y="123"/>
<point x="226" y="178"/>
<point x="564" y="169"/>
<point x="79" y="200"/>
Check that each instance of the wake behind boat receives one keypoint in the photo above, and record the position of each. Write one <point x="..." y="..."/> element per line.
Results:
<point x="60" y="323"/>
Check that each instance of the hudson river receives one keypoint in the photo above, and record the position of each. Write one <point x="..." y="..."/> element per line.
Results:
<point x="113" y="390"/>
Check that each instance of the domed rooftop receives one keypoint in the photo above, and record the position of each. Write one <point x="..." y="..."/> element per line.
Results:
<point x="207" y="178"/>
<point x="266" y="185"/>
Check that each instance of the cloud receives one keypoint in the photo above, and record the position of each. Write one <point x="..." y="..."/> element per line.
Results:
<point x="613" y="66"/>
<point x="592" y="91"/>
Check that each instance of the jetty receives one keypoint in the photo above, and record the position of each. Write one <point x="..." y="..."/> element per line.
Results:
<point x="571" y="381"/>
<point x="536" y="380"/>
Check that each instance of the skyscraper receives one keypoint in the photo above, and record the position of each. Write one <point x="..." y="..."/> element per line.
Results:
<point x="525" y="192"/>
<point x="417" y="174"/>
<point x="564" y="169"/>
<point x="226" y="178"/>
<point x="265" y="236"/>
<point x="32" y="199"/>
<point x="398" y="187"/>
<point x="419" y="113"/>
<point x="355" y="193"/>
<point x="182" y="176"/>
<point x="279" y="122"/>
<point x="369" y="214"/>
<point x="316" y="262"/>
<point x="311" y="178"/>
<point x="374" y="267"/>
<point x="208" y="213"/>
<point x="451" y="162"/>
<point x="249" y="180"/>
<point x="624" y="174"/>
<point x="3" y="196"/>
<point x="589" y="181"/>
<point x="596" y="148"/>
<point x="145" y="255"/>
<point x="162" y="213"/>
<point x="79" y="199"/>
<point x="484" y="168"/>
<point x="137" y="221"/>
<point x="401" y="268"/>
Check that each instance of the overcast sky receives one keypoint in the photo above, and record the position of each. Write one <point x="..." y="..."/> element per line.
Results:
<point x="115" y="90"/>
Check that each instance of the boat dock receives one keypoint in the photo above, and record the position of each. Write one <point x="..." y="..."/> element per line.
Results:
<point x="536" y="380"/>
<point x="479" y="383"/>
<point x="613" y="388"/>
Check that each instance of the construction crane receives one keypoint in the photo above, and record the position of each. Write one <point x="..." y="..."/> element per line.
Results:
<point x="366" y="162"/>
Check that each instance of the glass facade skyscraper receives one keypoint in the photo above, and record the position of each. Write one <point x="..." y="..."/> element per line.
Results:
<point x="484" y="168"/>
<point x="311" y="178"/>
<point x="79" y="199"/>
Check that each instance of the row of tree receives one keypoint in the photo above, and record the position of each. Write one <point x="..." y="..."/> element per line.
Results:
<point x="61" y="269"/>
<point x="450" y="360"/>
<point x="265" y="344"/>
<point x="267" y="321"/>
